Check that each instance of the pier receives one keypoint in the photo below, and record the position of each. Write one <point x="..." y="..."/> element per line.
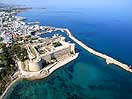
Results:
<point x="109" y="60"/>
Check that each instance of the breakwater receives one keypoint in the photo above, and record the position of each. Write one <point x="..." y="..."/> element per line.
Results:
<point x="109" y="60"/>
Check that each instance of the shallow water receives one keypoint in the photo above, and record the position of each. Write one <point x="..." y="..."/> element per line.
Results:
<point x="88" y="77"/>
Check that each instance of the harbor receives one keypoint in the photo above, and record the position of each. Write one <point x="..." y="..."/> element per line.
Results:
<point x="38" y="63"/>
<point x="32" y="57"/>
<point x="109" y="60"/>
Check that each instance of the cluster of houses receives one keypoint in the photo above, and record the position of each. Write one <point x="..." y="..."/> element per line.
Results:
<point x="41" y="51"/>
<point x="12" y="25"/>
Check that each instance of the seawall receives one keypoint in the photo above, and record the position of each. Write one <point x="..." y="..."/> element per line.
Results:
<point x="8" y="88"/>
<point x="109" y="60"/>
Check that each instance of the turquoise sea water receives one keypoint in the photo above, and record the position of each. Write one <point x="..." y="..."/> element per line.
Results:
<point x="88" y="77"/>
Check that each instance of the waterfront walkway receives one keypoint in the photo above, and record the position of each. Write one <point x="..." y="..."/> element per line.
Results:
<point x="109" y="60"/>
<point x="48" y="70"/>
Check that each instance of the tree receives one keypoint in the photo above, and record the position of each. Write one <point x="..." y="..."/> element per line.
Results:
<point x="1" y="39"/>
<point x="22" y="54"/>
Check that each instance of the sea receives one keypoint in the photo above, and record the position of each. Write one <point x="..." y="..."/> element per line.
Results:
<point x="105" y="28"/>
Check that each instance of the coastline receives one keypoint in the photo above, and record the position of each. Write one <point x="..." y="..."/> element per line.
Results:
<point x="109" y="60"/>
<point x="64" y="62"/>
<point x="37" y="75"/>
<point x="50" y="69"/>
<point x="53" y="67"/>
<point x="46" y="71"/>
<point x="8" y="88"/>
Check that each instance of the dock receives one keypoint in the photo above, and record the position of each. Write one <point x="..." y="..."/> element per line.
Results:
<point x="109" y="60"/>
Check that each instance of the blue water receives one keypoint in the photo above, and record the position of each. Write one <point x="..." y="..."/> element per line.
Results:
<point x="108" y="33"/>
<point x="87" y="77"/>
<point x="106" y="28"/>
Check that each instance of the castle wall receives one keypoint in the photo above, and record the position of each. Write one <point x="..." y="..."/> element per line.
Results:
<point x="35" y="65"/>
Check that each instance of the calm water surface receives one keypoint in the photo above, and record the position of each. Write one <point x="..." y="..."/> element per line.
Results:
<point x="107" y="32"/>
<point x="88" y="77"/>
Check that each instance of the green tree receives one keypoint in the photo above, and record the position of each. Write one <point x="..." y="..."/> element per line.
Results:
<point x="22" y="54"/>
